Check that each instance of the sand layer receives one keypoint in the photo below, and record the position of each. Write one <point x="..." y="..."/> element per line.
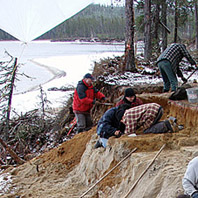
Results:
<point x="75" y="166"/>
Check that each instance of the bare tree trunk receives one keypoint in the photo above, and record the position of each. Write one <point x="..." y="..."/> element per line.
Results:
<point x="10" y="97"/>
<point x="156" y="28"/>
<point x="147" y="30"/>
<point x="176" y="22"/>
<point x="11" y="89"/>
<point x="129" y="38"/>
<point x="196" y="25"/>
<point x="164" y="21"/>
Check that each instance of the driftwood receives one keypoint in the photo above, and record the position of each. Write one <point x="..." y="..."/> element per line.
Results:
<point x="5" y="166"/>
<point x="16" y="158"/>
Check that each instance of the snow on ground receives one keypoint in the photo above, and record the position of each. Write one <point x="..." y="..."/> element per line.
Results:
<point x="66" y="70"/>
<point x="5" y="180"/>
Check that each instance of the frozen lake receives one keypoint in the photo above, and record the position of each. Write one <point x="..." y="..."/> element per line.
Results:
<point x="52" y="64"/>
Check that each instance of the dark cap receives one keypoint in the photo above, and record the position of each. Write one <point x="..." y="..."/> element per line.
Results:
<point x="129" y="92"/>
<point x="88" y="75"/>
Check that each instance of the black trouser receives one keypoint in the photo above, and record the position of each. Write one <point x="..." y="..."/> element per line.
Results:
<point x="159" y="115"/>
<point x="84" y="122"/>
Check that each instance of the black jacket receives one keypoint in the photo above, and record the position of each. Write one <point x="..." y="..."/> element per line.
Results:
<point x="109" y="123"/>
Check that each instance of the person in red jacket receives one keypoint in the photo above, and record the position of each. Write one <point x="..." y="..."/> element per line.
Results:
<point x="84" y="98"/>
<point x="130" y="98"/>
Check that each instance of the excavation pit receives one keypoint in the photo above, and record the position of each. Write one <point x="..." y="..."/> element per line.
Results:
<point x="186" y="114"/>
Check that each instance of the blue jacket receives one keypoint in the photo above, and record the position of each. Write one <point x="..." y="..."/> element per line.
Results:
<point x="108" y="124"/>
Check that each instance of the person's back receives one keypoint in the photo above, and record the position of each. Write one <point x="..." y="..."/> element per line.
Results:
<point x="110" y="124"/>
<point x="190" y="180"/>
<point x="168" y="64"/>
<point x="143" y="115"/>
<point x="175" y="53"/>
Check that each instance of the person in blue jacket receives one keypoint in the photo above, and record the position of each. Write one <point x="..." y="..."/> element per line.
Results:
<point x="110" y="125"/>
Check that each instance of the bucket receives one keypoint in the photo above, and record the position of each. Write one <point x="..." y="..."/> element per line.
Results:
<point x="192" y="94"/>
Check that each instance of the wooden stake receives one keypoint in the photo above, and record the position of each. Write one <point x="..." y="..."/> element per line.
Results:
<point x="144" y="171"/>
<point x="108" y="173"/>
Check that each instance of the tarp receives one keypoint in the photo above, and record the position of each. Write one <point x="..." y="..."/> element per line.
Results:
<point x="28" y="19"/>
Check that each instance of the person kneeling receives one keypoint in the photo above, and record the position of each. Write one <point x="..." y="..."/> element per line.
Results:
<point x="109" y="125"/>
<point x="146" y="116"/>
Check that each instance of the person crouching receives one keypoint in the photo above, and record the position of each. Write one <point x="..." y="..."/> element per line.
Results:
<point x="109" y="125"/>
<point x="144" y="116"/>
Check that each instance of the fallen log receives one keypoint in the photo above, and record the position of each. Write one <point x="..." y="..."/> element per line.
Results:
<point x="16" y="158"/>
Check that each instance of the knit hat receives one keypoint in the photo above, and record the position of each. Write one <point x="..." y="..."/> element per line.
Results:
<point x="88" y="75"/>
<point x="129" y="92"/>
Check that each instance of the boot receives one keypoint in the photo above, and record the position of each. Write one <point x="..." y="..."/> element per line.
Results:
<point x="98" y="144"/>
<point x="175" y="126"/>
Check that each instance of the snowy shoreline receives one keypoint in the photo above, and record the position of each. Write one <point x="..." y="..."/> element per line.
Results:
<point x="59" y="71"/>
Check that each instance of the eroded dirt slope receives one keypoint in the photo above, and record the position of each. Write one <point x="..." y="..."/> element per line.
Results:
<point x="73" y="167"/>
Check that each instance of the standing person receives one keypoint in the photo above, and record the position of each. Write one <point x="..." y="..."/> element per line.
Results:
<point x="109" y="125"/>
<point x="130" y="98"/>
<point x="190" y="180"/>
<point x="144" y="115"/>
<point x="83" y="100"/>
<point x="168" y="64"/>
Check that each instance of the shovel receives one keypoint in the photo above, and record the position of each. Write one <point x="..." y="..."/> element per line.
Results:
<point x="190" y="76"/>
<point x="105" y="103"/>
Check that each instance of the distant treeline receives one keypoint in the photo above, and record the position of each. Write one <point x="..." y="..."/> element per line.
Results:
<point x="5" y="36"/>
<point x="95" y="21"/>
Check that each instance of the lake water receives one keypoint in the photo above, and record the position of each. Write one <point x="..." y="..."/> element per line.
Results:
<point x="52" y="64"/>
<point x="41" y="50"/>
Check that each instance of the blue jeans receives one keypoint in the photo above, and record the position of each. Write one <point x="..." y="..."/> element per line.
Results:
<point x="104" y="142"/>
<point x="168" y="76"/>
<point x="194" y="195"/>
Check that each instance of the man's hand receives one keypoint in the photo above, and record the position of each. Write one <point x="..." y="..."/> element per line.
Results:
<point x="118" y="134"/>
<point x="103" y="99"/>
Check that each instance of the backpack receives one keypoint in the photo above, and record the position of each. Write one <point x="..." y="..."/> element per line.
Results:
<point x="179" y="94"/>
<point x="160" y="127"/>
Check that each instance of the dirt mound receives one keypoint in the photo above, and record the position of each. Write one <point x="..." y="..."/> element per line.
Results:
<point x="49" y="175"/>
<point x="69" y="153"/>
<point x="73" y="167"/>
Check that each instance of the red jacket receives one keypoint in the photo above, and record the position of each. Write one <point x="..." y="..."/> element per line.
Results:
<point x="84" y="97"/>
<point x="136" y="102"/>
